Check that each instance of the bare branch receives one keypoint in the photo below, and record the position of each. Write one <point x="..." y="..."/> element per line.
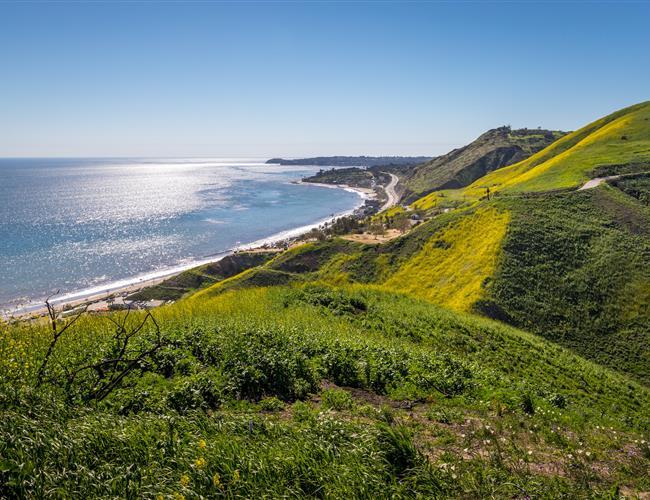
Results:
<point x="56" y="334"/>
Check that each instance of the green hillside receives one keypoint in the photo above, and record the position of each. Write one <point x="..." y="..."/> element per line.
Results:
<point x="574" y="268"/>
<point x="312" y="391"/>
<point x="494" y="149"/>
<point x="199" y="277"/>
<point x="571" y="267"/>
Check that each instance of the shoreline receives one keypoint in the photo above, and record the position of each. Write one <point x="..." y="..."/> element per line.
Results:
<point x="75" y="298"/>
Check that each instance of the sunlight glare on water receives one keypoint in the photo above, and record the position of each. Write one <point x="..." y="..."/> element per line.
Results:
<point x="71" y="223"/>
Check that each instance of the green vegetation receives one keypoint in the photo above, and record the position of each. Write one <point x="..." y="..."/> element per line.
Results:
<point x="451" y="268"/>
<point x="568" y="266"/>
<point x="200" y="277"/>
<point x="352" y="176"/>
<point x="575" y="269"/>
<point x="637" y="186"/>
<point x="417" y="401"/>
<point x="492" y="150"/>
<point x="613" y="142"/>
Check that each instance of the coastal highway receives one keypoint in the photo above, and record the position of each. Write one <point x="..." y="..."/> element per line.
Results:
<point x="390" y="192"/>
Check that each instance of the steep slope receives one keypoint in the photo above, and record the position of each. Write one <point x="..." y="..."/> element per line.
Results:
<point x="200" y="277"/>
<point x="618" y="143"/>
<point x="574" y="268"/>
<point x="453" y="265"/>
<point x="494" y="149"/>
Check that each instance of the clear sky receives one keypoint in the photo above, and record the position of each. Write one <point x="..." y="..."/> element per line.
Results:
<point x="296" y="79"/>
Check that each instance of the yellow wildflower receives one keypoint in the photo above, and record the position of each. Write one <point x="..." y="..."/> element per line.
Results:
<point x="202" y="444"/>
<point x="185" y="480"/>
<point x="200" y="463"/>
<point x="216" y="480"/>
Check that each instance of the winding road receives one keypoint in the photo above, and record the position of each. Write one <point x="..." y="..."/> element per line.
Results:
<point x="390" y="192"/>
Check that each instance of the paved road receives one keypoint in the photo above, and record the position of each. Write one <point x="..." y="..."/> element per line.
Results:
<point x="390" y="192"/>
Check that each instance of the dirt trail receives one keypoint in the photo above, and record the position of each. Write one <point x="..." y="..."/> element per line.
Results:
<point x="596" y="182"/>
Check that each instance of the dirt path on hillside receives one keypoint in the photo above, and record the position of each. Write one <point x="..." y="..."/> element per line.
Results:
<point x="597" y="182"/>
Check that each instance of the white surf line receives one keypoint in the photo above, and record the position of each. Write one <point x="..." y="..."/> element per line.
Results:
<point x="292" y="233"/>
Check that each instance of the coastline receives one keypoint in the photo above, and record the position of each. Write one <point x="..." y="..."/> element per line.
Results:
<point x="36" y="307"/>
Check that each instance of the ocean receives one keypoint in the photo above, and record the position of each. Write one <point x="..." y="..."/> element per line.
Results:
<point x="77" y="224"/>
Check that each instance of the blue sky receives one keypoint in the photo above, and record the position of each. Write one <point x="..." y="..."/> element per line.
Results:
<point x="296" y="79"/>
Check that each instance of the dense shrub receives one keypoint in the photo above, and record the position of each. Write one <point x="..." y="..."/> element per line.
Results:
<point x="336" y="399"/>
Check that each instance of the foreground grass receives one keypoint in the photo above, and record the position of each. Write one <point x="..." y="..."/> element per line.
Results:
<point x="321" y="392"/>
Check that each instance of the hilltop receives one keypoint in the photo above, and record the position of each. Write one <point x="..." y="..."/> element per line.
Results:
<point x="616" y="144"/>
<point x="492" y="150"/>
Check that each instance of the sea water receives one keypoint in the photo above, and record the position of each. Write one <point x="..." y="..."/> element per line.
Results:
<point x="75" y="224"/>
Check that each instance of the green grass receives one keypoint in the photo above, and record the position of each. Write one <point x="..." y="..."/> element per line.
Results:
<point x="196" y="278"/>
<point x="451" y="268"/>
<point x="637" y="186"/>
<point x="419" y="401"/>
<point x="568" y="266"/>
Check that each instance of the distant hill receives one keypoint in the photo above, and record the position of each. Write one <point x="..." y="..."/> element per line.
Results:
<point x="352" y="176"/>
<point x="493" y="150"/>
<point x="353" y="161"/>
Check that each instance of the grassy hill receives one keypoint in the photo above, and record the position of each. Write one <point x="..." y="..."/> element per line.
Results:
<point x="199" y="277"/>
<point x="567" y="266"/>
<point x="574" y="268"/>
<point x="494" y="149"/>
<point x="312" y="391"/>
<point x="618" y="143"/>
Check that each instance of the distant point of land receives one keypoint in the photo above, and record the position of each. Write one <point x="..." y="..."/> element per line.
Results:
<point x="352" y="161"/>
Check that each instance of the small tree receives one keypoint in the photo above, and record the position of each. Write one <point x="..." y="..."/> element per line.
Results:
<point x="377" y="228"/>
<point x="403" y="224"/>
